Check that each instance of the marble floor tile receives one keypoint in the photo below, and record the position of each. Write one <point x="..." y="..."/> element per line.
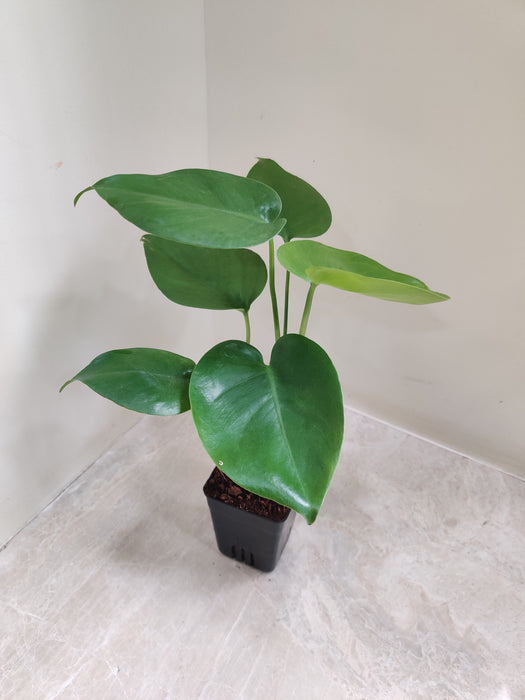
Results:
<point x="409" y="585"/>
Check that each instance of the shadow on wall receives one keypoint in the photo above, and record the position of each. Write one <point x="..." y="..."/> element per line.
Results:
<point x="50" y="431"/>
<point x="53" y="436"/>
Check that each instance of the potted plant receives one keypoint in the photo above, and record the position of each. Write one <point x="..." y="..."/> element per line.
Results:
<point x="274" y="431"/>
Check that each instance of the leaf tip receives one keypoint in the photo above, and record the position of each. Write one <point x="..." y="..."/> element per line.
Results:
<point x="311" y="516"/>
<point x="438" y="297"/>
<point x="79" y="195"/>
<point x="64" y="385"/>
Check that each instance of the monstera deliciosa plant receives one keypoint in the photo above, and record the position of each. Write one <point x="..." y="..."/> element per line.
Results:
<point x="275" y="429"/>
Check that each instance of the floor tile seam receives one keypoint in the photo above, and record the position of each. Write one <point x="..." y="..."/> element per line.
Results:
<point x="69" y="485"/>
<point x="429" y="441"/>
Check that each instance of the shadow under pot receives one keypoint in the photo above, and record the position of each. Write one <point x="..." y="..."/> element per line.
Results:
<point x="248" y="528"/>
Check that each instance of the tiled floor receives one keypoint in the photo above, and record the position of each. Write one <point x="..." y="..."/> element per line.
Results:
<point x="409" y="585"/>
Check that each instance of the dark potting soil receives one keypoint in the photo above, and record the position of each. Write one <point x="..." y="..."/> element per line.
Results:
<point x="222" y="488"/>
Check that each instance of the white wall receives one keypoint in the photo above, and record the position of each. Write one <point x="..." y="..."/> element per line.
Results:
<point x="409" y="117"/>
<point x="87" y="89"/>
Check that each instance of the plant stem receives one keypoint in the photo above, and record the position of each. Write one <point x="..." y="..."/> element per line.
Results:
<point x="307" y="309"/>
<point x="247" y="324"/>
<point x="273" y="295"/>
<point x="286" y="298"/>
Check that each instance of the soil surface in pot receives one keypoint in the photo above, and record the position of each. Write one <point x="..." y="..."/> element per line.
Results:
<point x="222" y="488"/>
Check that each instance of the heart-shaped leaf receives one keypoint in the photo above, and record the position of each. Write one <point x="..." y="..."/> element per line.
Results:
<point x="306" y="212"/>
<point x="275" y="430"/>
<point x="321" y="264"/>
<point x="141" y="379"/>
<point x="206" y="278"/>
<point x="195" y="206"/>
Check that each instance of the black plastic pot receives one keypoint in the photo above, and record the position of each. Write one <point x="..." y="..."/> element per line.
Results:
<point x="253" y="539"/>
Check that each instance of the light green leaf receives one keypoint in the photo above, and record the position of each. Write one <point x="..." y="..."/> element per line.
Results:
<point x="321" y="264"/>
<point x="306" y="212"/>
<point x="275" y="429"/>
<point x="141" y="379"/>
<point x="195" y="206"/>
<point x="206" y="278"/>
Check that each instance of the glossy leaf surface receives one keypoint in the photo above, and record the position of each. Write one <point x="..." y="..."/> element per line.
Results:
<point x="321" y="264"/>
<point x="206" y="278"/>
<point x="274" y="429"/>
<point x="306" y="211"/>
<point x="195" y="206"/>
<point x="141" y="379"/>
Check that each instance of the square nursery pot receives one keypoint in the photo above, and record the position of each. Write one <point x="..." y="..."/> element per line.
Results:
<point x="249" y="537"/>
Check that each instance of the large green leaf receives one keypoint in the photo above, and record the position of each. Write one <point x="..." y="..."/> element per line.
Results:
<point x="321" y="264"/>
<point x="142" y="379"/>
<point x="199" y="207"/>
<point x="275" y="430"/>
<point x="206" y="278"/>
<point x="306" y="212"/>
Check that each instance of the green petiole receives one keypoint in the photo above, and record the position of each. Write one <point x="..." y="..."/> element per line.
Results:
<point x="286" y="300"/>
<point x="307" y="309"/>
<point x="271" y="276"/>
<point x="247" y="324"/>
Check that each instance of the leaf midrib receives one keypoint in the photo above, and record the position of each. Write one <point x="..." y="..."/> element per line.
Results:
<point x="183" y="204"/>
<point x="275" y="397"/>
<point x="267" y="371"/>
<point x="142" y="372"/>
<point x="395" y="284"/>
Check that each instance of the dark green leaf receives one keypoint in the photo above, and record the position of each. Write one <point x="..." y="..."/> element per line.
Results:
<point x="141" y="379"/>
<point x="275" y="430"/>
<point x="321" y="264"/>
<point x="199" y="207"/>
<point x="306" y="212"/>
<point x="206" y="278"/>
